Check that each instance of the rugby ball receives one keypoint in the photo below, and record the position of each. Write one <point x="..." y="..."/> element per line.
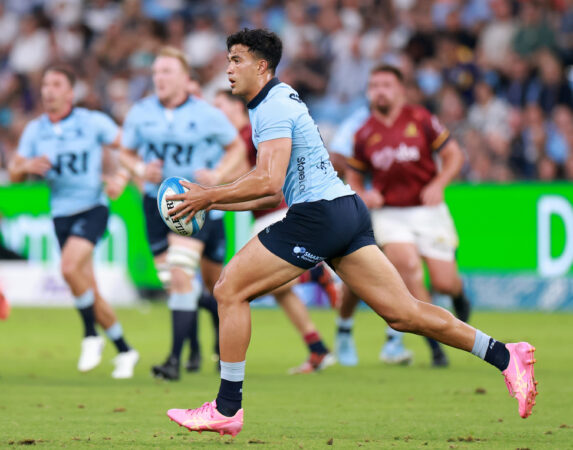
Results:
<point x="171" y="186"/>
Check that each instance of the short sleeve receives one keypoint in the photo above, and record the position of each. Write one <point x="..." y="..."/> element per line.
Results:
<point x="26" y="145"/>
<point x="107" y="129"/>
<point x="274" y="124"/>
<point x="130" y="137"/>
<point x="358" y="160"/>
<point x="436" y="133"/>
<point x="223" y="130"/>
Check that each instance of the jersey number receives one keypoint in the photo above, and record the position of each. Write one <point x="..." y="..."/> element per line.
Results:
<point x="75" y="163"/>
<point x="181" y="155"/>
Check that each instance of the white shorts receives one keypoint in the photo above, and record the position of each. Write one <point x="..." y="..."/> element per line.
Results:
<point x="430" y="228"/>
<point x="268" y="219"/>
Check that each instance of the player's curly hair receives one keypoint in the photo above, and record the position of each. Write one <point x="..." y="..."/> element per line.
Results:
<point x="262" y="43"/>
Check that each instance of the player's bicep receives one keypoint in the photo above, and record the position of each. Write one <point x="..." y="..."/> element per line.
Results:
<point x="273" y="158"/>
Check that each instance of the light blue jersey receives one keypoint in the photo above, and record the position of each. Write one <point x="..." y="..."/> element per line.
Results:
<point x="187" y="138"/>
<point x="74" y="147"/>
<point x="343" y="140"/>
<point x="277" y="112"/>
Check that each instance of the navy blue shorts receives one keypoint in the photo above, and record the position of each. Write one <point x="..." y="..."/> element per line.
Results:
<point x="212" y="234"/>
<point x="320" y="231"/>
<point x="90" y="225"/>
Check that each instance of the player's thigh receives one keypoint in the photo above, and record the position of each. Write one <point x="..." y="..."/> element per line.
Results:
<point x="252" y="272"/>
<point x="76" y="254"/>
<point x="371" y="276"/>
<point x="210" y="272"/>
<point x="444" y="275"/>
<point x="405" y="257"/>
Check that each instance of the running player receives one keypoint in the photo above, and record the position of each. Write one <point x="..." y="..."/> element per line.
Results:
<point x="320" y="357"/>
<point x="396" y="148"/>
<point x="64" y="146"/>
<point x="174" y="134"/>
<point x="326" y="221"/>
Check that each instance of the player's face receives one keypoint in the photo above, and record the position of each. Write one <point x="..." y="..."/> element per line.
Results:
<point x="385" y="91"/>
<point x="57" y="92"/>
<point x="242" y="70"/>
<point x="169" y="78"/>
<point x="229" y="107"/>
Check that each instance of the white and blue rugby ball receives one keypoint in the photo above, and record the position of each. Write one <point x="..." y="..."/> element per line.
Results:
<point x="171" y="186"/>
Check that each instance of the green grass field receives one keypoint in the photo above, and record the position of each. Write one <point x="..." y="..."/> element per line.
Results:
<point x="46" y="402"/>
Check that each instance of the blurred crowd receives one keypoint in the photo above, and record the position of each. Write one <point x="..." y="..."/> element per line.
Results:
<point x="499" y="73"/>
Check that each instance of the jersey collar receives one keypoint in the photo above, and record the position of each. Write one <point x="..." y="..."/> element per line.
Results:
<point x="263" y="93"/>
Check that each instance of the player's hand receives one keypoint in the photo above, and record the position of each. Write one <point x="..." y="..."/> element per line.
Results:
<point x="207" y="177"/>
<point x="115" y="185"/>
<point x="432" y="194"/>
<point x="38" y="165"/>
<point x="192" y="201"/>
<point x="373" y="199"/>
<point x="154" y="172"/>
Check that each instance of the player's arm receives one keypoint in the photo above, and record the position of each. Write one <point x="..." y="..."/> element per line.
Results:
<point x="25" y="161"/>
<point x="452" y="159"/>
<point x="233" y="164"/>
<point x="265" y="180"/>
<point x="20" y="167"/>
<point x="355" y="178"/>
<point x="131" y="161"/>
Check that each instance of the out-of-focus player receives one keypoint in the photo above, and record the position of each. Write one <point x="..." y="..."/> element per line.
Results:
<point x="172" y="133"/>
<point x="235" y="109"/>
<point x="397" y="147"/>
<point x="65" y="146"/>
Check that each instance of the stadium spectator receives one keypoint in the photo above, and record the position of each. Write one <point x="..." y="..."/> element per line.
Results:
<point x="523" y="48"/>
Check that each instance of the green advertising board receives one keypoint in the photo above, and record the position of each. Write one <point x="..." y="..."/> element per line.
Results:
<point x="516" y="240"/>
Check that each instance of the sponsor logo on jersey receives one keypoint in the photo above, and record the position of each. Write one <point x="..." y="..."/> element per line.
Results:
<point x="300" y="167"/>
<point x="382" y="159"/>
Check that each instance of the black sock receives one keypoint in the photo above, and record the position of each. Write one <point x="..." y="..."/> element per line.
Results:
<point x="194" y="334"/>
<point x="88" y="317"/>
<point x="497" y="355"/>
<point x="229" y="397"/>
<point x="314" y="343"/>
<point x="180" y="323"/>
<point x="208" y="302"/>
<point x="435" y="346"/>
<point x="121" y="345"/>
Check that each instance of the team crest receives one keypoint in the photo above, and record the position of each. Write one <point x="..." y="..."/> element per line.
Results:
<point x="411" y="130"/>
<point x="374" y="139"/>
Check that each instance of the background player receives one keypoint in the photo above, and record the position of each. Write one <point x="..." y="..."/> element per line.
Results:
<point x="235" y="109"/>
<point x="177" y="134"/>
<point x="326" y="221"/>
<point x="396" y="148"/>
<point x="64" y="146"/>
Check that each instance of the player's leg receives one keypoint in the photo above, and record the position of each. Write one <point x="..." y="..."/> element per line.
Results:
<point x="4" y="305"/>
<point x="76" y="252"/>
<point x="344" y="344"/>
<point x="127" y="357"/>
<point x="252" y="272"/>
<point x="446" y="279"/>
<point x="211" y="267"/>
<point x="182" y="258"/>
<point x="405" y="257"/>
<point x="369" y="273"/>
<point x="321" y="275"/>
<point x="177" y="261"/>
<point x="297" y="312"/>
<point x="437" y="243"/>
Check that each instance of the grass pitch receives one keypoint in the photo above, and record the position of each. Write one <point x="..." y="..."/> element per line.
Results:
<point x="46" y="402"/>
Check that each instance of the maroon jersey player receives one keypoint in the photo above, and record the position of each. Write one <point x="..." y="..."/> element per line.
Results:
<point x="398" y="148"/>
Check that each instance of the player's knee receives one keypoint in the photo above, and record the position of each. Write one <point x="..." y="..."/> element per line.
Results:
<point x="70" y="270"/>
<point x="405" y="319"/>
<point x="224" y="292"/>
<point x="447" y="285"/>
<point x="179" y="268"/>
